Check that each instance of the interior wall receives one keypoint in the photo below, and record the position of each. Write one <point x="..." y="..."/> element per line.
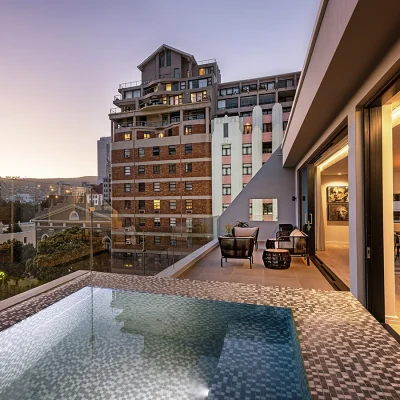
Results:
<point x="335" y="231"/>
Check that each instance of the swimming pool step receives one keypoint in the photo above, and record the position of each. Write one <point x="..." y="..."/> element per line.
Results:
<point x="259" y="362"/>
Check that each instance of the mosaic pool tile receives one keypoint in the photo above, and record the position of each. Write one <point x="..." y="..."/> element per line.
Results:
<point x="347" y="354"/>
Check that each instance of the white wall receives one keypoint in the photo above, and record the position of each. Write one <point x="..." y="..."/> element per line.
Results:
<point x="335" y="231"/>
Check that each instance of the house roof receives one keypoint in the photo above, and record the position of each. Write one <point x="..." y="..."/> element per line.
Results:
<point x="163" y="47"/>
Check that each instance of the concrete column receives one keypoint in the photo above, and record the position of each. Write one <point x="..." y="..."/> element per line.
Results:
<point x="256" y="140"/>
<point x="277" y="126"/>
<point x="388" y="240"/>
<point x="207" y="119"/>
<point x="356" y="205"/>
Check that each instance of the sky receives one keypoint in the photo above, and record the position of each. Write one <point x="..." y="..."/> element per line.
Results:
<point x="61" y="62"/>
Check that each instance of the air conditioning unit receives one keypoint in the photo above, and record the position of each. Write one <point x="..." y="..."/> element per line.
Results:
<point x="188" y="211"/>
<point x="141" y="211"/>
<point x="156" y="211"/>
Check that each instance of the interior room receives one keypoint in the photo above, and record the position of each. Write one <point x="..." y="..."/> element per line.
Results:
<point x="332" y="211"/>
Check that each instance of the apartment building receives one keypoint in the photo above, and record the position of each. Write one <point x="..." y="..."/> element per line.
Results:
<point x="104" y="165"/>
<point x="161" y="155"/>
<point x="242" y="135"/>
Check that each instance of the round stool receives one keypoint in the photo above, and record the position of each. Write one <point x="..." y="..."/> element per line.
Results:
<point x="276" y="258"/>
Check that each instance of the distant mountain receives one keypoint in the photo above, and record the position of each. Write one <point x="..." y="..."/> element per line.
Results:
<point x="49" y="181"/>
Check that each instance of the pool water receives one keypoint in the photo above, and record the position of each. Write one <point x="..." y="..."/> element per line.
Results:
<point x="113" y="344"/>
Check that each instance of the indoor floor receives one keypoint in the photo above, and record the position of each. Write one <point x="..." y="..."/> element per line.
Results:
<point x="336" y="257"/>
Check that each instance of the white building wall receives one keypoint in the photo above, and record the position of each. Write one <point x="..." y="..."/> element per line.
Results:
<point x="235" y="132"/>
<point x="28" y="234"/>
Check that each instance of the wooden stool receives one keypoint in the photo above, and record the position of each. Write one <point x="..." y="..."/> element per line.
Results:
<point x="276" y="258"/>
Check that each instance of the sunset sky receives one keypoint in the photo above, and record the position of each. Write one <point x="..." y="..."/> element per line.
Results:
<point x="61" y="63"/>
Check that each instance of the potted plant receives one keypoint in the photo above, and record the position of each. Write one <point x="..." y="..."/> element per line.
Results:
<point x="228" y="230"/>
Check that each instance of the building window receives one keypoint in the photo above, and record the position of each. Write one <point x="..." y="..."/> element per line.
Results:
<point x="156" y="186"/>
<point x="198" y="96"/>
<point x="142" y="204"/>
<point x="127" y="204"/>
<point x="168" y="87"/>
<point x="246" y="114"/>
<point x="141" y="151"/>
<point x="157" y="240"/>
<point x="127" y="187"/>
<point x="128" y="136"/>
<point x="172" y="222"/>
<point x="286" y="109"/>
<point x="189" y="242"/>
<point x="177" y="73"/>
<point x="285" y="83"/>
<point x="247" y="169"/>
<point x="267" y="112"/>
<point x="267" y="127"/>
<point x="248" y="101"/>
<point x="267" y="147"/>
<point x="229" y="91"/>
<point x="146" y="135"/>
<point x="196" y="114"/>
<point x="226" y="130"/>
<point x="142" y="221"/>
<point x="188" y="129"/>
<point x="156" y="204"/>
<point x="171" y="150"/>
<point x="157" y="222"/>
<point x="141" y="169"/>
<point x="188" y="186"/>
<point x="183" y="85"/>
<point x="247" y="129"/>
<point x="127" y="222"/>
<point x="284" y="125"/>
<point x="156" y="151"/>
<point x="172" y="204"/>
<point x="267" y="98"/>
<point x="172" y="168"/>
<point x="156" y="169"/>
<point x="175" y="100"/>
<point x="127" y="171"/>
<point x="249" y="88"/>
<point x="188" y="148"/>
<point x="226" y="149"/>
<point x="168" y="58"/>
<point x="160" y="134"/>
<point x="142" y="187"/>
<point x="127" y="153"/>
<point x="267" y="85"/>
<point x="128" y="240"/>
<point x="246" y="149"/>
<point x="188" y="205"/>
<point x="226" y="169"/>
<point x="228" y="103"/>
<point x="175" y="117"/>
<point x="224" y="206"/>
<point x="226" y="189"/>
<point x="188" y="167"/>
<point x="161" y="60"/>
<point x="172" y="186"/>
<point x="172" y="242"/>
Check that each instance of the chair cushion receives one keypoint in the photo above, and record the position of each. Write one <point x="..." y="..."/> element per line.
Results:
<point x="245" y="231"/>
<point x="296" y="232"/>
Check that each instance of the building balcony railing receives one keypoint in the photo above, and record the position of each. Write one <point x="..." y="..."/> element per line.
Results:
<point x="209" y="61"/>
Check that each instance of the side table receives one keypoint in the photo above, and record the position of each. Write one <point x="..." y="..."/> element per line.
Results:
<point x="276" y="258"/>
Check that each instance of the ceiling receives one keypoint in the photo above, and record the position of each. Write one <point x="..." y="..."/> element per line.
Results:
<point x="341" y="167"/>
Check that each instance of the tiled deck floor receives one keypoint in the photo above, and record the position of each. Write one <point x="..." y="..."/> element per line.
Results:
<point x="299" y="275"/>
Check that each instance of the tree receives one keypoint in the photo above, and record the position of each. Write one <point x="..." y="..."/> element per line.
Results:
<point x="14" y="228"/>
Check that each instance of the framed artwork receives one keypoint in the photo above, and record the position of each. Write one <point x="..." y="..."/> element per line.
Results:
<point x="338" y="212"/>
<point x="337" y="194"/>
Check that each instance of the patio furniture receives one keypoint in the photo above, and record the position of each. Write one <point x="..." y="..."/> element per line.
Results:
<point x="270" y="243"/>
<point x="236" y="247"/>
<point x="296" y="243"/>
<point x="276" y="258"/>
<point x="396" y="246"/>
<point x="246" y="232"/>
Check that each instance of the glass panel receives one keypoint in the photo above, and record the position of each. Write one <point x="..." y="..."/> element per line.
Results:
<point x="263" y="210"/>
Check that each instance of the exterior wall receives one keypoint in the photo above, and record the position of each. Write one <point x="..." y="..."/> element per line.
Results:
<point x="28" y="234"/>
<point x="271" y="182"/>
<point x="350" y="114"/>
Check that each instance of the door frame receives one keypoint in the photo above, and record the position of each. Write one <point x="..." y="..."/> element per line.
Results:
<point x="373" y="199"/>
